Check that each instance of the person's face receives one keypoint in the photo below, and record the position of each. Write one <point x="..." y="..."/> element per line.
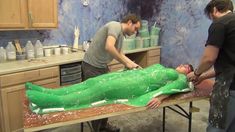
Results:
<point x="132" y="28"/>
<point x="184" y="69"/>
<point x="215" y="14"/>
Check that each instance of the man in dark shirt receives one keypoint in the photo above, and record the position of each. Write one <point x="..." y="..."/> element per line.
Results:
<point x="220" y="53"/>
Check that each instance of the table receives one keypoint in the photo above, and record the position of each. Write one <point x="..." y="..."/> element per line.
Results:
<point x="34" y="122"/>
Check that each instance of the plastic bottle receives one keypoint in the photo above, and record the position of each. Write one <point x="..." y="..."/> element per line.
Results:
<point x="11" y="51"/>
<point x="38" y="49"/>
<point x="3" y="55"/>
<point x="29" y="49"/>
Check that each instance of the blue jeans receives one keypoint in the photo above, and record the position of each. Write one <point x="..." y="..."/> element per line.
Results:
<point x="230" y="118"/>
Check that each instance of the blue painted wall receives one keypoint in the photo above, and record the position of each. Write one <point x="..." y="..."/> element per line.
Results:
<point x="183" y="34"/>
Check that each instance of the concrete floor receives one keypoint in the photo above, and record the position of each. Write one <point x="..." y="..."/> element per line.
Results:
<point x="151" y="121"/>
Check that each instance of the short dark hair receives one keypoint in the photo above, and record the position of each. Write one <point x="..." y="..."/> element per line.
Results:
<point x="191" y="67"/>
<point x="221" y="6"/>
<point x="134" y="18"/>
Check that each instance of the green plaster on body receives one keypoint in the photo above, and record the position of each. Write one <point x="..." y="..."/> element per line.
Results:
<point x="132" y="87"/>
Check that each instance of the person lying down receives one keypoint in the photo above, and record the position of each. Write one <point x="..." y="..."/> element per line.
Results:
<point x="138" y="88"/>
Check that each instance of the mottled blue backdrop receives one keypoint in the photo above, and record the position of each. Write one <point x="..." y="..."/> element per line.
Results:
<point x="183" y="34"/>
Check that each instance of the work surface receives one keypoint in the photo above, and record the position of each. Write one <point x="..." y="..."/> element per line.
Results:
<point x="34" y="122"/>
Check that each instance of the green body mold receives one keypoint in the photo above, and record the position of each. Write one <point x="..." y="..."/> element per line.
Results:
<point x="132" y="87"/>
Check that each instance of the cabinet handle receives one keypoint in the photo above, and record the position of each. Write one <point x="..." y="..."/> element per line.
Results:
<point x="30" y="19"/>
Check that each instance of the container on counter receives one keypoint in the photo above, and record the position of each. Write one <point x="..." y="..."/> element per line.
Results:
<point x="29" y="49"/>
<point x="11" y="52"/>
<point x="57" y="51"/>
<point x="144" y="24"/>
<point x="129" y="44"/>
<point x="3" y="55"/>
<point x="38" y="48"/>
<point x="47" y="52"/>
<point x="144" y="33"/>
<point x="139" y="42"/>
<point x="20" y="55"/>
<point x="65" y="50"/>
<point x="154" y="31"/>
<point x="146" y="42"/>
<point x="154" y="40"/>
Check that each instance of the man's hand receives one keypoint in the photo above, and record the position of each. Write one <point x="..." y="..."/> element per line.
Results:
<point x="133" y="65"/>
<point x="193" y="78"/>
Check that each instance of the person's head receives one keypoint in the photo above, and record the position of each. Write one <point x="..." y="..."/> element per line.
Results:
<point x="217" y="8"/>
<point x="184" y="68"/>
<point x="132" y="24"/>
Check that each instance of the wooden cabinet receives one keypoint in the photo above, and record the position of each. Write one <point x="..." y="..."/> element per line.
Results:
<point x="12" y="93"/>
<point x="143" y="58"/>
<point x="28" y="14"/>
<point x="42" y="13"/>
<point x="153" y="56"/>
<point x="13" y="14"/>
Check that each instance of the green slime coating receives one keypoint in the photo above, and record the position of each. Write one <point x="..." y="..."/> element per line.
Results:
<point x="133" y="87"/>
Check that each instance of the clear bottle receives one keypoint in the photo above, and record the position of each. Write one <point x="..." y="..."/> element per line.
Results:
<point x="29" y="49"/>
<point x="38" y="49"/>
<point x="3" y="55"/>
<point x="11" y="52"/>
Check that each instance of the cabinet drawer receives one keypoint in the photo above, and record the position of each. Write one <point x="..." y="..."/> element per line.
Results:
<point x="22" y="77"/>
<point x="153" y="60"/>
<point x="154" y="52"/>
<point x="49" y="72"/>
<point x="70" y="70"/>
<point x="71" y="77"/>
<point x="71" y="82"/>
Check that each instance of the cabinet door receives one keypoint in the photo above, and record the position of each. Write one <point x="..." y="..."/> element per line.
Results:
<point x="11" y="107"/>
<point x="42" y="13"/>
<point x="13" y="14"/>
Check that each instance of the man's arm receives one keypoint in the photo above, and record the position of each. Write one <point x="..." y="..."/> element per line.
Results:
<point x="206" y="75"/>
<point x="110" y="47"/>
<point x="207" y="61"/>
<point x="130" y="61"/>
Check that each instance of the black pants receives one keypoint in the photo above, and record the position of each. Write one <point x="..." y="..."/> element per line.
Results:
<point x="89" y="71"/>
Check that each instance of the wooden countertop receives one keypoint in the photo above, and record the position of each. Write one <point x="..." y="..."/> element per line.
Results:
<point x="25" y="65"/>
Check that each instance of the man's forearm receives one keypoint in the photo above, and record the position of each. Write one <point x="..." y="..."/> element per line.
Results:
<point x="117" y="55"/>
<point x="204" y="66"/>
<point x="209" y="74"/>
<point x="127" y="59"/>
<point x="208" y="59"/>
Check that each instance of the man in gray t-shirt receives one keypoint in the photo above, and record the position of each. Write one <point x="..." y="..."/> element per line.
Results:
<point x="106" y="46"/>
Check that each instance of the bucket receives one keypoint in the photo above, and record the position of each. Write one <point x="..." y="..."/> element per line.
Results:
<point x="129" y="44"/>
<point x="154" y="30"/>
<point x="154" y="40"/>
<point x="146" y="42"/>
<point x="144" y="25"/>
<point x="139" y="42"/>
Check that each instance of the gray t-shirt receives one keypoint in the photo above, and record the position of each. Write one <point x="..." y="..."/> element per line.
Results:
<point x="96" y="55"/>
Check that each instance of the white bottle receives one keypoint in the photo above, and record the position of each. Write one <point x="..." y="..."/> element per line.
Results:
<point x="29" y="49"/>
<point x="3" y="55"/>
<point x="38" y="49"/>
<point x="11" y="51"/>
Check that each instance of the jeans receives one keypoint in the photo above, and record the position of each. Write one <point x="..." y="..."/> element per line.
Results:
<point x="230" y="118"/>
